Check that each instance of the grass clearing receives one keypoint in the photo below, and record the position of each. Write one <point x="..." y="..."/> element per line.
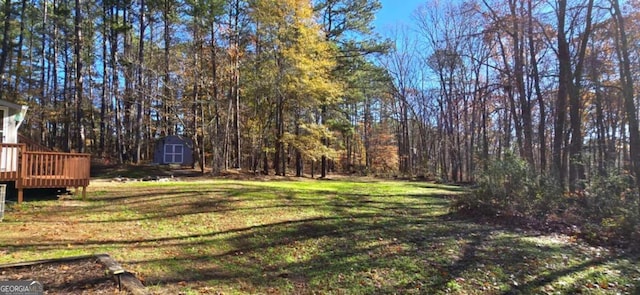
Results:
<point x="330" y="237"/>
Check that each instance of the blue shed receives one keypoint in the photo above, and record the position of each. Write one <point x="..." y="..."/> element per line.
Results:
<point x="174" y="149"/>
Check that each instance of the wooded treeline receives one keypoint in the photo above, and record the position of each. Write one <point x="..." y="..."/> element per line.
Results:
<point x="297" y="86"/>
<point x="552" y="82"/>
<point x="261" y="85"/>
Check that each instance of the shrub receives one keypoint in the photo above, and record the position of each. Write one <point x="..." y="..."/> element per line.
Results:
<point x="611" y="204"/>
<point x="607" y="210"/>
<point x="509" y="186"/>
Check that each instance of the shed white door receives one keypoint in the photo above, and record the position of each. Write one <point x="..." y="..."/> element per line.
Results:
<point x="9" y="155"/>
<point x="173" y="153"/>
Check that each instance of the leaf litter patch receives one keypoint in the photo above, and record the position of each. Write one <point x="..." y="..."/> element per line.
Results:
<point x="73" y="275"/>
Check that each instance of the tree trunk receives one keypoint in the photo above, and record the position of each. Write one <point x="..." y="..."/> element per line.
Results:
<point x="167" y="128"/>
<point x="278" y="160"/>
<point x="19" y="47"/>
<point x="536" y="84"/>
<point x="105" y="85"/>
<point x="6" y="48"/>
<point x="299" y="162"/>
<point x="79" y="134"/>
<point x="628" y="91"/>
<point x="43" y="74"/>
<point x="234" y="89"/>
<point x="140" y="96"/>
<point x="323" y="161"/>
<point x="564" y="59"/>
<point x="576" y="164"/>
<point x="523" y="98"/>
<point x="66" y="101"/>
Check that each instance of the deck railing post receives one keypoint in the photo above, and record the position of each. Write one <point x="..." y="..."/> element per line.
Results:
<point x="22" y="171"/>
<point x="22" y="168"/>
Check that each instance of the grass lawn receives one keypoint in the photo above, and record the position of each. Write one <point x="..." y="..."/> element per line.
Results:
<point x="327" y="237"/>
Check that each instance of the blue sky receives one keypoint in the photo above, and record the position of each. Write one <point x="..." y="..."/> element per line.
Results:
<point x="394" y="12"/>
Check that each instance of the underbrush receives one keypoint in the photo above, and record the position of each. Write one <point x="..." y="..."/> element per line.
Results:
<point x="606" y="211"/>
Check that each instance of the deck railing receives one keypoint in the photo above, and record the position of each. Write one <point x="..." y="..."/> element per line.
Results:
<point x="10" y="155"/>
<point x="38" y="169"/>
<point x="54" y="169"/>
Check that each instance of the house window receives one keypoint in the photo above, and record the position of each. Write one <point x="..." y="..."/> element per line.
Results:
<point x="173" y="153"/>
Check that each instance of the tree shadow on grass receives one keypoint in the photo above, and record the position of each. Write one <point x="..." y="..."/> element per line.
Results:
<point x="391" y="255"/>
<point x="396" y="246"/>
<point x="151" y="206"/>
<point x="378" y="257"/>
<point x="358" y="243"/>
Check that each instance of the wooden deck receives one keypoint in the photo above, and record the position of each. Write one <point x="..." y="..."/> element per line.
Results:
<point x="43" y="169"/>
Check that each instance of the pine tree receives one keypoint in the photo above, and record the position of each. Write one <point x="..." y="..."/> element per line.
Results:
<point x="303" y="62"/>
